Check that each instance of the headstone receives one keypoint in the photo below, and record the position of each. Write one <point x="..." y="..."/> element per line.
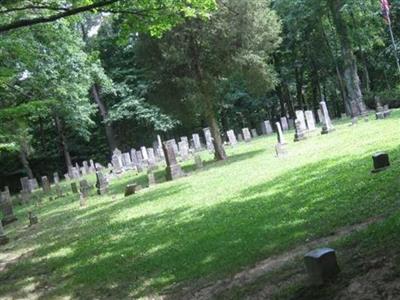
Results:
<point x="6" y="208"/>
<point x="240" y="137"/>
<point x="173" y="169"/>
<point x="67" y="177"/>
<point x="280" y="136"/>
<point x="198" y="161"/>
<point x="145" y="156"/>
<point x="101" y="183"/>
<point x="46" y="185"/>
<point x="208" y="138"/>
<point x="152" y="157"/>
<point x="74" y="188"/>
<point x="254" y="133"/>
<point x="280" y="147"/>
<point x="310" y="120"/>
<point x="231" y="137"/>
<point x="386" y="111"/>
<point x="116" y="161"/>
<point x="92" y="166"/>
<point x="126" y="160"/>
<point x="327" y="124"/>
<point x="321" y="265"/>
<point x="246" y="134"/>
<point x="184" y="150"/>
<point x="320" y="116"/>
<point x="130" y="189"/>
<point x="343" y="116"/>
<point x="301" y="118"/>
<point x="83" y="171"/>
<point x="84" y="188"/>
<point x="299" y="133"/>
<point x="151" y="178"/>
<point x="284" y="124"/>
<point x="56" y="177"/>
<point x="3" y="238"/>
<point x="134" y="158"/>
<point x="33" y="219"/>
<point x="196" y="142"/>
<point x="75" y="173"/>
<point x="381" y="162"/>
<point x="266" y="128"/>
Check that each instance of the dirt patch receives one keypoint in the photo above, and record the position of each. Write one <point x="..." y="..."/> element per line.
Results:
<point x="250" y="275"/>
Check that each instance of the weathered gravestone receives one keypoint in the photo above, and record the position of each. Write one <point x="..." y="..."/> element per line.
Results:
<point x="130" y="189"/>
<point x="86" y="167"/>
<point x="208" y="138"/>
<point x="246" y="134"/>
<point x="198" y="161"/>
<point x="310" y="120"/>
<point x="3" y="238"/>
<point x="321" y="265"/>
<point x="151" y="178"/>
<point x="240" y="137"/>
<point x="196" y="142"/>
<point x="381" y="162"/>
<point x="301" y="118"/>
<point x="327" y="124"/>
<point x="145" y="155"/>
<point x="6" y="208"/>
<point x="26" y="187"/>
<point x="254" y="133"/>
<point x="266" y="128"/>
<point x="46" y="185"/>
<point x="231" y="137"/>
<point x="299" y="133"/>
<point x="74" y="187"/>
<point x="284" y="124"/>
<point x="173" y="170"/>
<point x="152" y="157"/>
<point x="134" y="158"/>
<point x="84" y="188"/>
<point x="33" y="219"/>
<point x="101" y="183"/>
<point x="184" y="150"/>
<point x="280" y="147"/>
<point x="92" y="166"/>
<point x="56" y="178"/>
<point x="116" y="161"/>
<point x="291" y="123"/>
<point x="126" y="161"/>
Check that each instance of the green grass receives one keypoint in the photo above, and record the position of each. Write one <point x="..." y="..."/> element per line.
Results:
<point x="205" y="226"/>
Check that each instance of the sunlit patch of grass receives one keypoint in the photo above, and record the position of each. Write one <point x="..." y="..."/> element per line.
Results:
<point x="210" y="224"/>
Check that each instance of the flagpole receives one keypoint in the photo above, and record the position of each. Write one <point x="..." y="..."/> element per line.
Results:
<point x="396" y="55"/>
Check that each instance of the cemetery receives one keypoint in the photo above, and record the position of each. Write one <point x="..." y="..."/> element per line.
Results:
<point x="199" y="149"/>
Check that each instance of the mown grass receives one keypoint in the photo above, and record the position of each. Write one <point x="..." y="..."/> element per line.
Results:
<point x="207" y="225"/>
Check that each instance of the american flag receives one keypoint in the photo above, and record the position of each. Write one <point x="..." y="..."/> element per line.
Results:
<point x="385" y="6"/>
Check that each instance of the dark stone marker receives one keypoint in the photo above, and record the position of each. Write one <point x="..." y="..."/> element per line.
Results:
<point x="32" y="219"/>
<point x="381" y="162"/>
<point x="74" y="187"/>
<point x="130" y="189"/>
<point x="6" y="208"/>
<point x="3" y="238"/>
<point x="101" y="183"/>
<point x="321" y="265"/>
<point x="173" y="170"/>
<point x="46" y="185"/>
<point x="299" y="132"/>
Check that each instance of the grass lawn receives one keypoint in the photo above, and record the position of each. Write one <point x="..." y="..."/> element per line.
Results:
<point x="206" y="226"/>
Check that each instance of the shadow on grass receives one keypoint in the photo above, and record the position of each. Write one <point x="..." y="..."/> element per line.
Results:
<point x="88" y="254"/>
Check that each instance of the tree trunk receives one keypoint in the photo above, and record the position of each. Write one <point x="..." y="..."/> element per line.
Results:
<point x="63" y="143"/>
<point x="25" y="162"/>
<point x="315" y="87"/>
<point x="351" y="78"/>
<point x="299" y="87"/>
<point x="103" y="112"/>
<point x="280" y="90"/>
<point x="209" y="109"/>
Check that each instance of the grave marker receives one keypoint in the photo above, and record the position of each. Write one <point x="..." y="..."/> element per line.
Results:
<point x="231" y="137"/>
<point x="381" y="162"/>
<point x="246" y="135"/>
<point x="300" y="116"/>
<point x="321" y="265"/>
<point x="310" y="120"/>
<point x="299" y="133"/>
<point x="208" y="138"/>
<point x="173" y="170"/>
<point x="196" y="142"/>
<point x="6" y="208"/>
<point x="327" y="124"/>
<point x="3" y="238"/>
<point x="284" y="124"/>
<point x="46" y="185"/>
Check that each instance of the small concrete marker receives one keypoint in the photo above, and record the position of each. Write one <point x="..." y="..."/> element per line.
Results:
<point x="321" y="265"/>
<point x="381" y="162"/>
<point x="33" y="219"/>
<point x="3" y="238"/>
